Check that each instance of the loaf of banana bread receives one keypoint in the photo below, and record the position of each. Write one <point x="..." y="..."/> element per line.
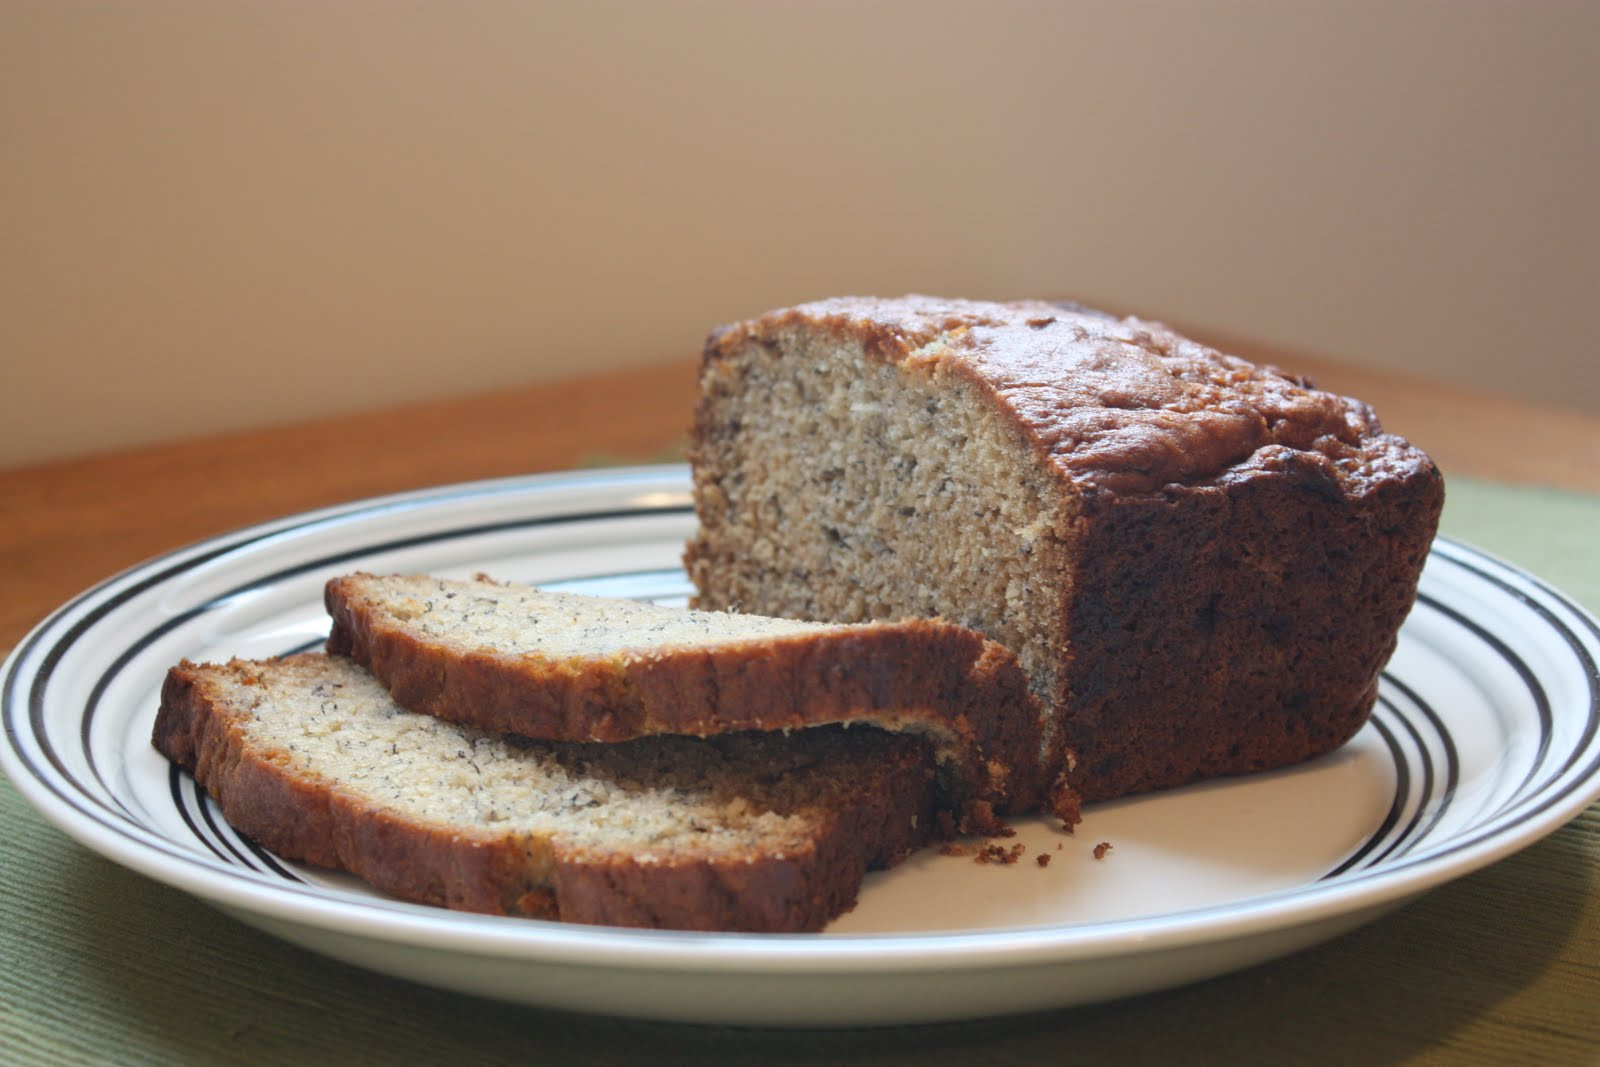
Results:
<point x="1201" y="563"/>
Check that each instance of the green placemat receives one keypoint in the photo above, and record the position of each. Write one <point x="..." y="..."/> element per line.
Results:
<point x="1550" y="533"/>
<point x="99" y="965"/>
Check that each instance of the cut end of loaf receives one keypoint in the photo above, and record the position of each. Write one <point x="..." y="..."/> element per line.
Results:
<point x="834" y="485"/>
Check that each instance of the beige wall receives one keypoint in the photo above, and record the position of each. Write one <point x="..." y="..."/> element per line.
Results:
<point x="216" y="213"/>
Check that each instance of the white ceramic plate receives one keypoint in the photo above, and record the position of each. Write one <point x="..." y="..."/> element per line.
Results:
<point x="1485" y="739"/>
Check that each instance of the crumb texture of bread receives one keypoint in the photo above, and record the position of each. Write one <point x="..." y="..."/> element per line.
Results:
<point x="1201" y="563"/>
<point x="557" y="666"/>
<point x="310" y="757"/>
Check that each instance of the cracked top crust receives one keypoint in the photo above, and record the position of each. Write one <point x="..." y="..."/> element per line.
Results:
<point x="1114" y="404"/>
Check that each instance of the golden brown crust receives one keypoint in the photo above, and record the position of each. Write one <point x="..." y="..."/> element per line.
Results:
<point x="969" y="696"/>
<point x="268" y="795"/>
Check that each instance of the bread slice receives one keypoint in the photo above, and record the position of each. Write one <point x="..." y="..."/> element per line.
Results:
<point x="310" y="757"/>
<point x="516" y="659"/>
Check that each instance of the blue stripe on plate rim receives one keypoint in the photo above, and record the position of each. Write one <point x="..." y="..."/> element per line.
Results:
<point x="1391" y="863"/>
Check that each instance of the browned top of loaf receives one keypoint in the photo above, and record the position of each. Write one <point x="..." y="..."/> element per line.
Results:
<point x="1118" y="404"/>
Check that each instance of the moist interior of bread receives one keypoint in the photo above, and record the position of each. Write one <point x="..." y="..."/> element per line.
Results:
<point x="657" y="797"/>
<point x="519" y="618"/>
<point x="839" y="458"/>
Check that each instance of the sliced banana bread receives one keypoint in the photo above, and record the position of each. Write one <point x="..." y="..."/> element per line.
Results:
<point x="1202" y="564"/>
<point x="517" y="659"/>
<point x="310" y="757"/>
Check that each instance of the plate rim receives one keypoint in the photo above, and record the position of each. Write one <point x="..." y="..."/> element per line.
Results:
<point x="419" y="926"/>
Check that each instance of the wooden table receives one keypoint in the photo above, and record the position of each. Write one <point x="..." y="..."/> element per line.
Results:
<point x="1529" y="987"/>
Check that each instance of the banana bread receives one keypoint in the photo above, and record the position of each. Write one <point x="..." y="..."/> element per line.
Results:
<point x="310" y="757"/>
<point x="559" y="666"/>
<point x="1201" y="563"/>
